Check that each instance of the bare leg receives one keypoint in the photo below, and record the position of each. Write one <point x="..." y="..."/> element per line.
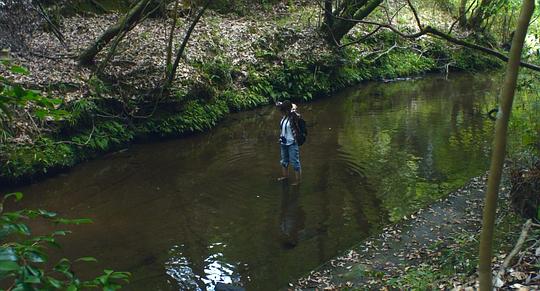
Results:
<point x="284" y="174"/>
<point x="297" y="175"/>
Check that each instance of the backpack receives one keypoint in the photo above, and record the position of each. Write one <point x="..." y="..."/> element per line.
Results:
<point x="301" y="130"/>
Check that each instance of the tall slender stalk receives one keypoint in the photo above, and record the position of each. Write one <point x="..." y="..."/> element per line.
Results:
<point x="180" y="52"/>
<point x="498" y="154"/>
<point x="168" y="61"/>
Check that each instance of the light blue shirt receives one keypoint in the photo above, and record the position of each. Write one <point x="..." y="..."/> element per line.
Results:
<point x="286" y="131"/>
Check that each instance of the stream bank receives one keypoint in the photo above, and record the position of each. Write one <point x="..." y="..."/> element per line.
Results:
<point x="434" y="248"/>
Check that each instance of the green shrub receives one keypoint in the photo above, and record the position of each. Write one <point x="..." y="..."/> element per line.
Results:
<point x="300" y="81"/>
<point x="470" y="60"/>
<point x="195" y="117"/>
<point x="103" y="136"/>
<point x="24" y="261"/>
<point x="238" y="101"/>
<point x="401" y="63"/>
<point x="28" y="159"/>
<point x="217" y="72"/>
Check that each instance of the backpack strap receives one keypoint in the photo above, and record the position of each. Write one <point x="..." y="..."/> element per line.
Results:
<point x="282" y="122"/>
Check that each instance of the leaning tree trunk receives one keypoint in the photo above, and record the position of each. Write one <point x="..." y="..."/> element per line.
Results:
<point x="479" y="15"/>
<point x="124" y="24"/>
<point x="345" y="15"/>
<point x="463" y="13"/>
<point x="328" y="17"/>
<point x="498" y="154"/>
<point x="172" y="72"/>
<point x="171" y="35"/>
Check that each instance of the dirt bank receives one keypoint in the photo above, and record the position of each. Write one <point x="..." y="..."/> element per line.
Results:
<point x="418" y="252"/>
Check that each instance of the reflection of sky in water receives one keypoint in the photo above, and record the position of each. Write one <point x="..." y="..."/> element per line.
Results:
<point x="215" y="269"/>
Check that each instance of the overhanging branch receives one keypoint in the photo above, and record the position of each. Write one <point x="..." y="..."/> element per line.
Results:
<point x="428" y="30"/>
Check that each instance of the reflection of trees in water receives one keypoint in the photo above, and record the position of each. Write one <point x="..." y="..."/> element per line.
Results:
<point x="405" y="143"/>
<point x="346" y="204"/>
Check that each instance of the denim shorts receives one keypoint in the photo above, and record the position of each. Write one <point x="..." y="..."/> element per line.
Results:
<point x="290" y="154"/>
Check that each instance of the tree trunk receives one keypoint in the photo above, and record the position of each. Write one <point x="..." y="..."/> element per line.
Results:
<point x="124" y="24"/>
<point x="479" y="15"/>
<point x="463" y="13"/>
<point x="170" y="41"/>
<point x="172" y="72"/>
<point x="328" y="16"/>
<point x="498" y="154"/>
<point x="356" y="10"/>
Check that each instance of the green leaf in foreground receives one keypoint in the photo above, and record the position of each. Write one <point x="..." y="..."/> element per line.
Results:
<point x="19" y="70"/>
<point x="7" y="266"/>
<point x="87" y="259"/>
<point x="7" y="254"/>
<point x="24" y="260"/>
<point x="73" y="221"/>
<point x="18" y="196"/>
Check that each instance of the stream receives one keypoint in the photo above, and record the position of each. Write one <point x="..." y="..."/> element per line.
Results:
<point x="187" y="213"/>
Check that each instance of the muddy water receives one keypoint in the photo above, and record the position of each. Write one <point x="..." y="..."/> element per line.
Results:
<point x="188" y="213"/>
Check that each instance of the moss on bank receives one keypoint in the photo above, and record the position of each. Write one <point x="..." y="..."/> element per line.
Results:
<point x="90" y="132"/>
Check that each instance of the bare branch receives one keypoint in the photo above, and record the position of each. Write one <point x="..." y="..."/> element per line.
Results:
<point x="433" y="31"/>
<point x="362" y="38"/>
<point x="119" y="37"/>
<point x="415" y="14"/>
<point x="171" y="34"/>
<point x="328" y="13"/>
<point x="390" y="19"/>
<point x="127" y="22"/>
<point x="54" y="28"/>
<point x="516" y="248"/>
<point x="182" y="47"/>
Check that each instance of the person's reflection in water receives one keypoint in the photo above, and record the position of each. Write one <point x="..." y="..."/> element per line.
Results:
<point x="292" y="216"/>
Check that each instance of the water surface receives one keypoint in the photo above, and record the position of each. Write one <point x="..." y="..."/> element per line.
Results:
<point x="184" y="214"/>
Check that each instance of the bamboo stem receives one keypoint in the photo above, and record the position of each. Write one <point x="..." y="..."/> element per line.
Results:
<point x="499" y="149"/>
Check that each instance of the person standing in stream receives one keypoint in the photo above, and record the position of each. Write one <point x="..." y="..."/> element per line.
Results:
<point x="290" y="151"/>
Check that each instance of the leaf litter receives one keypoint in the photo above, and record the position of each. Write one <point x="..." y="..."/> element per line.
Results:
<point x="419" y="240"/>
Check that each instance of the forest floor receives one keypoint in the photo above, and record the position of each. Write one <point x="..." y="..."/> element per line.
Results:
<point x="434" y="248"/>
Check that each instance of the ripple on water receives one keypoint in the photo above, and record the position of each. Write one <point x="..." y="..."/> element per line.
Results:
<point x="239" y="160"/>
<point x="352" y="166"/>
